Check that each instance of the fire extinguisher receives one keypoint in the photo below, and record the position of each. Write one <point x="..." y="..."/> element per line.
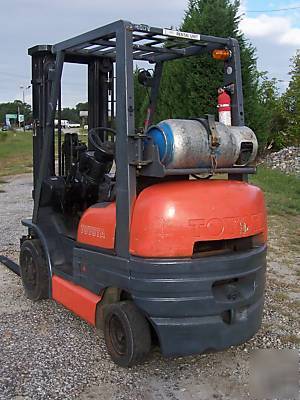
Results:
<point x="224" y="106"/>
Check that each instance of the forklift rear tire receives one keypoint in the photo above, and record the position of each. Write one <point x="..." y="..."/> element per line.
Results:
<point x="34" y="271"/>
<point x="127" y="333"/>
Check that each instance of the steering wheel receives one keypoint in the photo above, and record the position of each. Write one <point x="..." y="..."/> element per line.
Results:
<point x="105" y="147"/>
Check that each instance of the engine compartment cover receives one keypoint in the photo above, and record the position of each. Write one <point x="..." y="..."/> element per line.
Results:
<point x="168" y="218"/>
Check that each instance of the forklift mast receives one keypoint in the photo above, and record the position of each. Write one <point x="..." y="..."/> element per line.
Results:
<point x="100" y="90"/>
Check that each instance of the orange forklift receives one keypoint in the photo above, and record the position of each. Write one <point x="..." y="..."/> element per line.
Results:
<point x="131" y="231"/>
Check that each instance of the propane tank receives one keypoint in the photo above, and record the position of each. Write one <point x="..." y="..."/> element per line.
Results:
<point x="186" y="144"/>
<point x="224" y="107"/>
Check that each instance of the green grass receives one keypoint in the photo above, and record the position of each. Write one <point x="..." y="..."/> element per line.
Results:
<point x="282" y="191"/>
<point x="15" y="153"/>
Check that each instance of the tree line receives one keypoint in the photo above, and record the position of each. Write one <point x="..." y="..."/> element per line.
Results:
<point x="17" y="106"/>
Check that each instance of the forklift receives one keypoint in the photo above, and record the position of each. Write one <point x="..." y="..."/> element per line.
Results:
<point x="131" y="230"/>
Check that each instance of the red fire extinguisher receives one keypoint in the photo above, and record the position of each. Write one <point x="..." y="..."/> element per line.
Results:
<point x="224" y="106"/>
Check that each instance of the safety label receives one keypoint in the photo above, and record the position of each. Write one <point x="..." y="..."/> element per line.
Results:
<point x="185" y="35"/>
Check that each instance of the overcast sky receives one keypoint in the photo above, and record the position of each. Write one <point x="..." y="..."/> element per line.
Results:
<point x="25" y="23"/>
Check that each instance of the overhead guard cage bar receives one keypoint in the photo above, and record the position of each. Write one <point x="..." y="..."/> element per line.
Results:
<point x="122" y="42"/>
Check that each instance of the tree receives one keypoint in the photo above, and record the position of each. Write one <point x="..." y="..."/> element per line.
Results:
<point x="70" y="114"/>
<point x="291" y="102"/>
<point x="195" y="80"/>
<point x="271" y="121"/>
<point x="82" y="107"/>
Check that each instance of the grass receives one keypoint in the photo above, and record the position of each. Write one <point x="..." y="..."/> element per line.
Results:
<point x="15" y="153"/>
<point x="282" y="191"/>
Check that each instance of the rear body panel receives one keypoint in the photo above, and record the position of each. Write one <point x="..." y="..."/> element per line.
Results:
<point x="98" y="225"/>
<point x="194" y="305"/>
<point x="169" y="218"/>
<point x="77" y="299"/>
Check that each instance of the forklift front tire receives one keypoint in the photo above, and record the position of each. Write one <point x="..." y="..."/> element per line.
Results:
<point x="34" y="271"/>
<point x="127" y="333"/>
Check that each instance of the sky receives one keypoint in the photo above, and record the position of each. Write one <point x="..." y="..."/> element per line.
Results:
<point x="25" y="23"/>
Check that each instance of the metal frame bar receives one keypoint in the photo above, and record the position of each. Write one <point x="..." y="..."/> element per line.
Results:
<point x="197" y="171"/>
<point x="59" y="132"/>
<point x="125" y="173"/>
<point x="233" y="75"/>
<point x="89" y="36"/>
<point x="49" y="136"/>
<point x="97" y="93"/>
<point x="154" y="94"/>
<point x="102" y="36"/>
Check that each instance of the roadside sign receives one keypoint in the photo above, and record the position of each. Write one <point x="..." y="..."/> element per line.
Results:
<point x="11" y="116"/>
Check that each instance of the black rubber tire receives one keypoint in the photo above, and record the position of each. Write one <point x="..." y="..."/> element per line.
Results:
<point x="127" y="333"/>
<point x="34" y="270"/>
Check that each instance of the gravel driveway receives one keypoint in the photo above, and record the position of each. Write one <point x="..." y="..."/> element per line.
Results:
<point x="48" y="353"/>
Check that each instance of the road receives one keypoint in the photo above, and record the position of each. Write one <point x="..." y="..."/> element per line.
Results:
<point x="48" y="353"/>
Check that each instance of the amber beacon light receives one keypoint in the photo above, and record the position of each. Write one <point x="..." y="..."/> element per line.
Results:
<point x="221" y="54"/>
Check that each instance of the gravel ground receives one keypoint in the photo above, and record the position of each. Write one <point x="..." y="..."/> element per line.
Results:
<point x="48" y="353"/>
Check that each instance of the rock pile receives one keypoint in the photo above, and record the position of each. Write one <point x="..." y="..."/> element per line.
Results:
<point x="286" y="160"/>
